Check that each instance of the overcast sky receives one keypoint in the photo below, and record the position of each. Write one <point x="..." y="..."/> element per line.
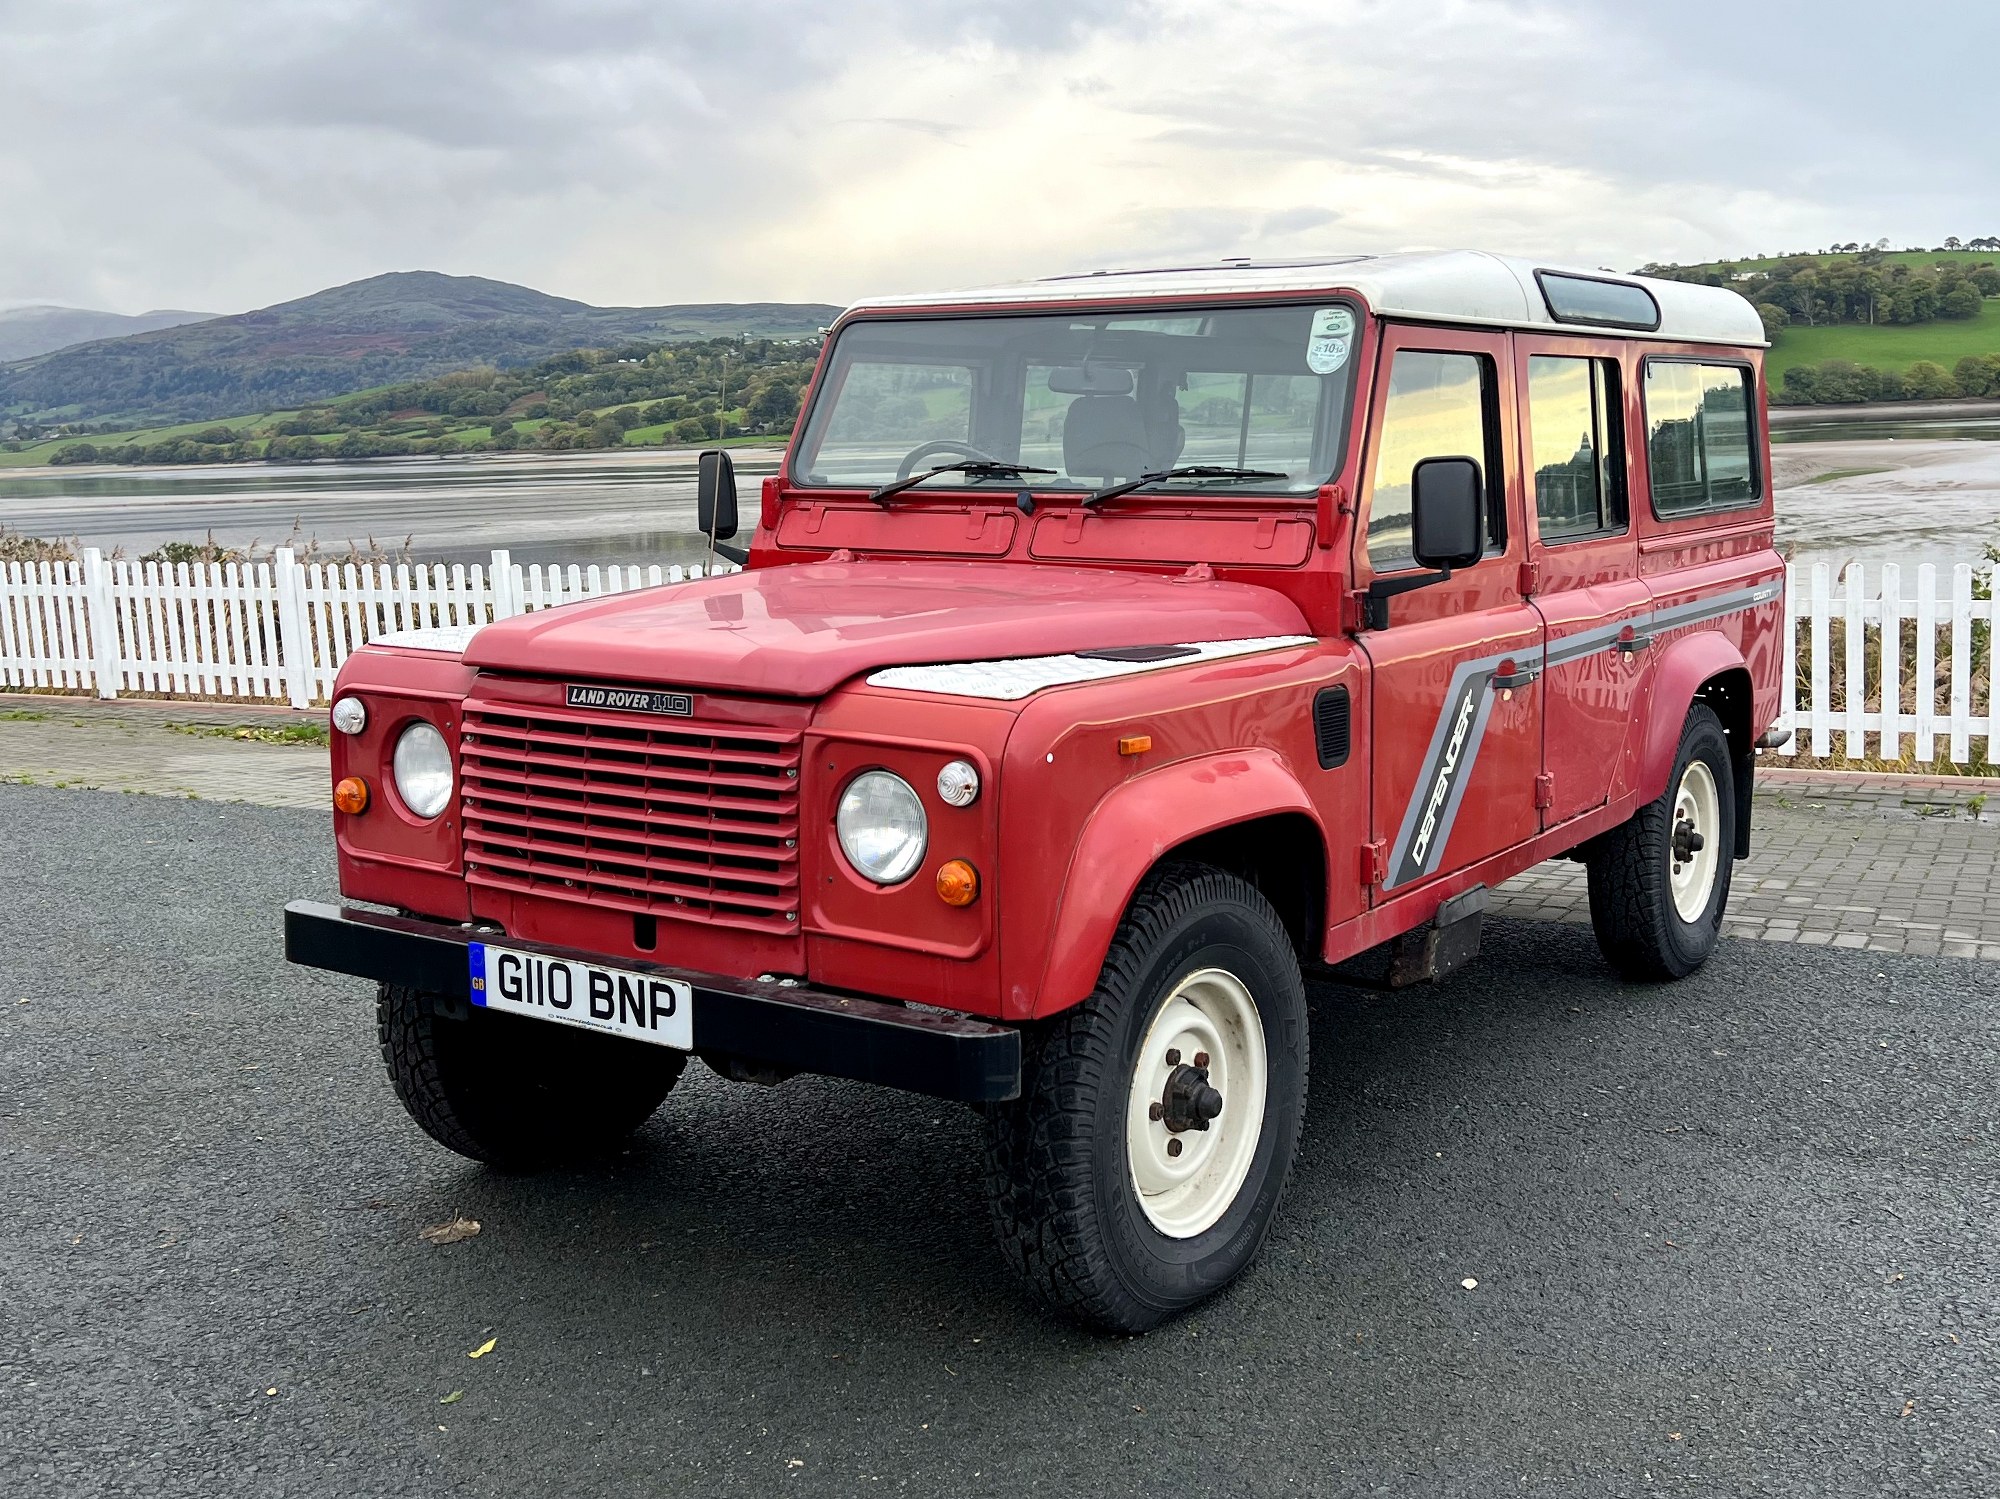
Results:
<point x="219" y="155"/>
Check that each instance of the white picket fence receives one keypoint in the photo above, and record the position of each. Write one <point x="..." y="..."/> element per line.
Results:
<point x="281" y="629"/>
<point x="1883" y="690"/>
<point x="261" y="630"/>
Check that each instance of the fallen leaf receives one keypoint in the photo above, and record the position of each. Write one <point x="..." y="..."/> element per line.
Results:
<point x="450" y="1233"/>
<point x="483" y="1349"/>
<point x="1673" y="1436"/>
<point x="272" y="1391"/>
<point x="453" y="1398"/>
<point x="1469" y="1283"/>
<point x="795" y="1462"/>
<point x="1908" y="1406"/>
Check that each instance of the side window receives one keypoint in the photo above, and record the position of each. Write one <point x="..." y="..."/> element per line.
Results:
<point x="1438" y="407"/>
<point x="1699" y="437"/>
<point x="1575" y="455"/>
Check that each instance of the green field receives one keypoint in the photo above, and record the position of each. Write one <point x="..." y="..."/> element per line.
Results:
<point x="1888" y="345"/>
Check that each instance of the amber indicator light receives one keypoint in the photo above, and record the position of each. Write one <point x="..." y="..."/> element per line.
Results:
<point x="958" y="883"/>
<point x="1135" y="744"/>
<point x="351" y="796"/>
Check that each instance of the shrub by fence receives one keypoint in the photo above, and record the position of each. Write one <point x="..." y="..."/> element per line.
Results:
<point x="1898" y="672"/>
<point x="255" y="630"/>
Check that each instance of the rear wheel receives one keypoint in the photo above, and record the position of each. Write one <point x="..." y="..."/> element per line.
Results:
<point x="512" y="1091"/>
<point x="1143" y="1164"/>
<point x="1659" y="882"/>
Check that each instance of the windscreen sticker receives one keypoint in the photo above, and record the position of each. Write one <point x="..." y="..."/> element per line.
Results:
<point x="1331" y="339"/>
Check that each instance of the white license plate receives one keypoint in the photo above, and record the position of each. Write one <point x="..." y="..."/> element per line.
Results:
<point x="616" y="1001"/>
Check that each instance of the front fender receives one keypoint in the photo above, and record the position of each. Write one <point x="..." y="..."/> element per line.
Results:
<point x="1682" y="670"/>
<point x="1127" y="833"/>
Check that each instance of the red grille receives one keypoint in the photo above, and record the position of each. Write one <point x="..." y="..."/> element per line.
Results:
<point x="686" y="819"/>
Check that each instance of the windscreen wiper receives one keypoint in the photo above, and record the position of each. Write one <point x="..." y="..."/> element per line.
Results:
<point x="1191" y="471"/>
<point x="976" y="468"/>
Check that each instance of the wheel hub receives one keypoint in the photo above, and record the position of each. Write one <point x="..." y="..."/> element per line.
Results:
<point x="1687" y="842"/>
<point x="1189" y="1102"/>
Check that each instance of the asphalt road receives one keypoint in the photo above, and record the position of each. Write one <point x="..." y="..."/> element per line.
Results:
<point x="1732" y="1237"/>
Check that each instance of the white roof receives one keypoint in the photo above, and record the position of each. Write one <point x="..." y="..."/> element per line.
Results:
<point x="1441" y="286"/>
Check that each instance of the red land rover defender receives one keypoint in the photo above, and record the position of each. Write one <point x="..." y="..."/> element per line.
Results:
<point x="1113" y="650"/>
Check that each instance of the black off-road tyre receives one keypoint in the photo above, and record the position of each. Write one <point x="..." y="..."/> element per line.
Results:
<point x="1639" y="929"/>
<point x="1066" y="1205"/>
<point x="512" y="1091"/>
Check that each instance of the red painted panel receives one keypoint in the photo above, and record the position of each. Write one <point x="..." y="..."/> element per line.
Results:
<point x="802" y="631"/>
<point x="1266" y="540"/>
<point x="965" y="531"/>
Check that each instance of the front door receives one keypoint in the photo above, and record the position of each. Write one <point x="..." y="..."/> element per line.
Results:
<point x="1457" y="720"/>
<point x="1575" y="430"/>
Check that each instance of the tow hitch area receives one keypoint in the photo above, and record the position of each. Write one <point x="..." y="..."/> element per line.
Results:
<point x="1444" y="944"/>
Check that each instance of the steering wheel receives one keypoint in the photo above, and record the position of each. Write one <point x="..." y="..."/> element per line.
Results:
<point x="931" y="449"/>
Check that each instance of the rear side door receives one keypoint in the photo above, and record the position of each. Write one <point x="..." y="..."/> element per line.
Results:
<point x="1576" y="422"/>
<point x="1457" y="718"/>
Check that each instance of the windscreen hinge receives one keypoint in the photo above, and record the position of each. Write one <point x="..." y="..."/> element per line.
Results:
<point x="1545" y="789"/>
<point x="1531" y="579"/>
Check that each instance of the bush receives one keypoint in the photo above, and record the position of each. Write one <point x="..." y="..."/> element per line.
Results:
<point x="690" y="429"/>
<point x="1961" y="302"/>
<point x="1928" y="381"/>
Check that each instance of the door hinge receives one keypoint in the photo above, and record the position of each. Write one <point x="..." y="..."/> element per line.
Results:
<point x="1375" y="862"/>
<point x="1545" y="789"/>
<point x="1531" y="579"/>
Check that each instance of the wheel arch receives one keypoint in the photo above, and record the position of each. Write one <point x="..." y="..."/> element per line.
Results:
<point x="1244" y="812"/>
<point x="1702" y="668"/>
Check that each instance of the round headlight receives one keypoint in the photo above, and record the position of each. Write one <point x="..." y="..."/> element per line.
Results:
<point x="350" y="716"/>
<point x="423" y="770"/>
<point x="882" y="827"/>
<point x="958" y="784"/>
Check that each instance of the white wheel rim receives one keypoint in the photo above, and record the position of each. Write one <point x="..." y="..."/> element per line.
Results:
<point x="1211" y="1013"/>
<point x="1697" y="819"/>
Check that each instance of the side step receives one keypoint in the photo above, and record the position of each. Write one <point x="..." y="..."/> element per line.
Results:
<point x="1441" y="946"/>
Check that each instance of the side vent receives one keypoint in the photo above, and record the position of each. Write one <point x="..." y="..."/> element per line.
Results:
<point x="1331" y="715"/>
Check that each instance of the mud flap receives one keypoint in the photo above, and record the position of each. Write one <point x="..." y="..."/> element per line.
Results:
<point x="1441" y="946"/>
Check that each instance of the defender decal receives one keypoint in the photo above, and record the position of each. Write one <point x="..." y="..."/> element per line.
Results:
<point x="1468" y="703"/>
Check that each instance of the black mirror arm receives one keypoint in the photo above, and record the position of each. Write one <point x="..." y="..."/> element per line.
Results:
<point x="738" y="555"/>
<point x="1375" y="602"/>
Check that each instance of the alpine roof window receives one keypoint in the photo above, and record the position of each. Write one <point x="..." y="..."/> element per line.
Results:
<point x="1603" y="304"/>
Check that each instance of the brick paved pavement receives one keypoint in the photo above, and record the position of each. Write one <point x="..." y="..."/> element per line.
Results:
<point x="1886" y="863"/>
<point x="127" y="746"/>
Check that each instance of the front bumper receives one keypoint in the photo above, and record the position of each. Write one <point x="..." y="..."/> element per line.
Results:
<point x="790" y="1029"/>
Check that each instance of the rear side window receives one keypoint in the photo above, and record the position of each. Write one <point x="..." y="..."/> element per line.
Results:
<point x="1438" y="407"/>
<point x="1699" y="437"/>
<point x="1576" y="458"/>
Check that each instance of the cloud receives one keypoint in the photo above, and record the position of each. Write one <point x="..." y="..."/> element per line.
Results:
<point x="225" y="154"/>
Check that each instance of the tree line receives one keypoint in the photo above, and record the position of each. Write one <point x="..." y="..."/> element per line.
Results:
<point x="582" y="399"/>
<point x="1865" y="287"/>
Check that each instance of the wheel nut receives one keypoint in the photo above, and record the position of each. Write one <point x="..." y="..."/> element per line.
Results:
<point x="1173" y="1056"/>
<point x="1155" y="1112"/>
<point x="1201" y="1059"/>
<point x="1173" y="1147"/>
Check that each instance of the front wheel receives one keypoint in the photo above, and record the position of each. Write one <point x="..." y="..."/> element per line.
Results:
<point x="513" y="1091"/>
<point x="1142" y="1166"/>
<point x="1659" y="882"/>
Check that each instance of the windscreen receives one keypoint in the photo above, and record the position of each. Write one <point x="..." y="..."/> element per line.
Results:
<point x="1095" y="398"/>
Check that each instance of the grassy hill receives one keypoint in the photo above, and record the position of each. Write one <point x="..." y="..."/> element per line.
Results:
<point x="405" y="326"/>
<point x="27" y="331"/>
<point x="1892" y="346"/>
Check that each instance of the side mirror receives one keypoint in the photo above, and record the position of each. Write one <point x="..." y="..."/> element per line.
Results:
<point x="1447" y="513"/>
<point x="715" y="494"/>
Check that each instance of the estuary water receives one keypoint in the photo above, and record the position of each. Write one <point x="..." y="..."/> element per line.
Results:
<point x="1907" y="492"/>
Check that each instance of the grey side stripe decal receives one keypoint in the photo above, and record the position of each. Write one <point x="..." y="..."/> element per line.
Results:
<point x="1468" y="703"/>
